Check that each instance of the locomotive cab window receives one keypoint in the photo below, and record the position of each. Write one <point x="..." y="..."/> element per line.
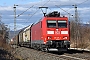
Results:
<point x="51" y="23"/>
<point x="62" y="24"/>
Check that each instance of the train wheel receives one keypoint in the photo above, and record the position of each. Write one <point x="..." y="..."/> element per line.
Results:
<point x="47" y="49"/>
<point x="42" y="49"/>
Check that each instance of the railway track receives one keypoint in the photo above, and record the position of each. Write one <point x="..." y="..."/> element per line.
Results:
<point x="78" y="56"/>
<point x="32" y="54"/>
<point x="67" y="56"/>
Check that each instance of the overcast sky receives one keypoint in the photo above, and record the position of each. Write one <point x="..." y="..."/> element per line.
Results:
<point x="29" y="12"/>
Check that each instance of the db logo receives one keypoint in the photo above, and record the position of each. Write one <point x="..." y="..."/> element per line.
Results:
<point x="57" y="32"/>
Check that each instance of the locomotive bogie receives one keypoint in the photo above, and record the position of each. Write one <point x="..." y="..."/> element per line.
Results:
<point x="58" y="44"/>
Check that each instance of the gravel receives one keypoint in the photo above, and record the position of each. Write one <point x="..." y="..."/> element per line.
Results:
<point x="30" y="54"/>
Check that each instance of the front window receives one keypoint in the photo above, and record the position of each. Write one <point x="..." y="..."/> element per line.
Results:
<point x="62" y="24"/>
<point x="51" y="23"/>
<point x="56" y="23"/>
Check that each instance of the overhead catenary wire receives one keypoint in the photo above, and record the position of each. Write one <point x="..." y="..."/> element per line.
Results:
<point x="31" y="16"/>
<point x="36" y="11"/>
<point x="31" y="7"/>
<point x="64" y="10"/>
<point x="25" y="11"/>
<point x="82" y="2"/>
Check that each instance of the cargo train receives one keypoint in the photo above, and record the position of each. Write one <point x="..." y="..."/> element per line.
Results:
<point x="50" y="33"/>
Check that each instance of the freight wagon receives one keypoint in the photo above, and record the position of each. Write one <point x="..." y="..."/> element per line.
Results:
<point x="24" y="36"/>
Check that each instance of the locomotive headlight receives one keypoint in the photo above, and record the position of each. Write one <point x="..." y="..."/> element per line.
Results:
<point x="65" y="37"/>
<point x="49" y="37"/>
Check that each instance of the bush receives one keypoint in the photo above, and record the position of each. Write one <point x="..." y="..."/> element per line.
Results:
<point x="3" y="44"/>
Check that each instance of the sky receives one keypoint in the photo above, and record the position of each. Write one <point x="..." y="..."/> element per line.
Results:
<point x="28" y="12"/>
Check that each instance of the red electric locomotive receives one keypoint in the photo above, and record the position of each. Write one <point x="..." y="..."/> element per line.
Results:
<point x="51" y="33"/>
